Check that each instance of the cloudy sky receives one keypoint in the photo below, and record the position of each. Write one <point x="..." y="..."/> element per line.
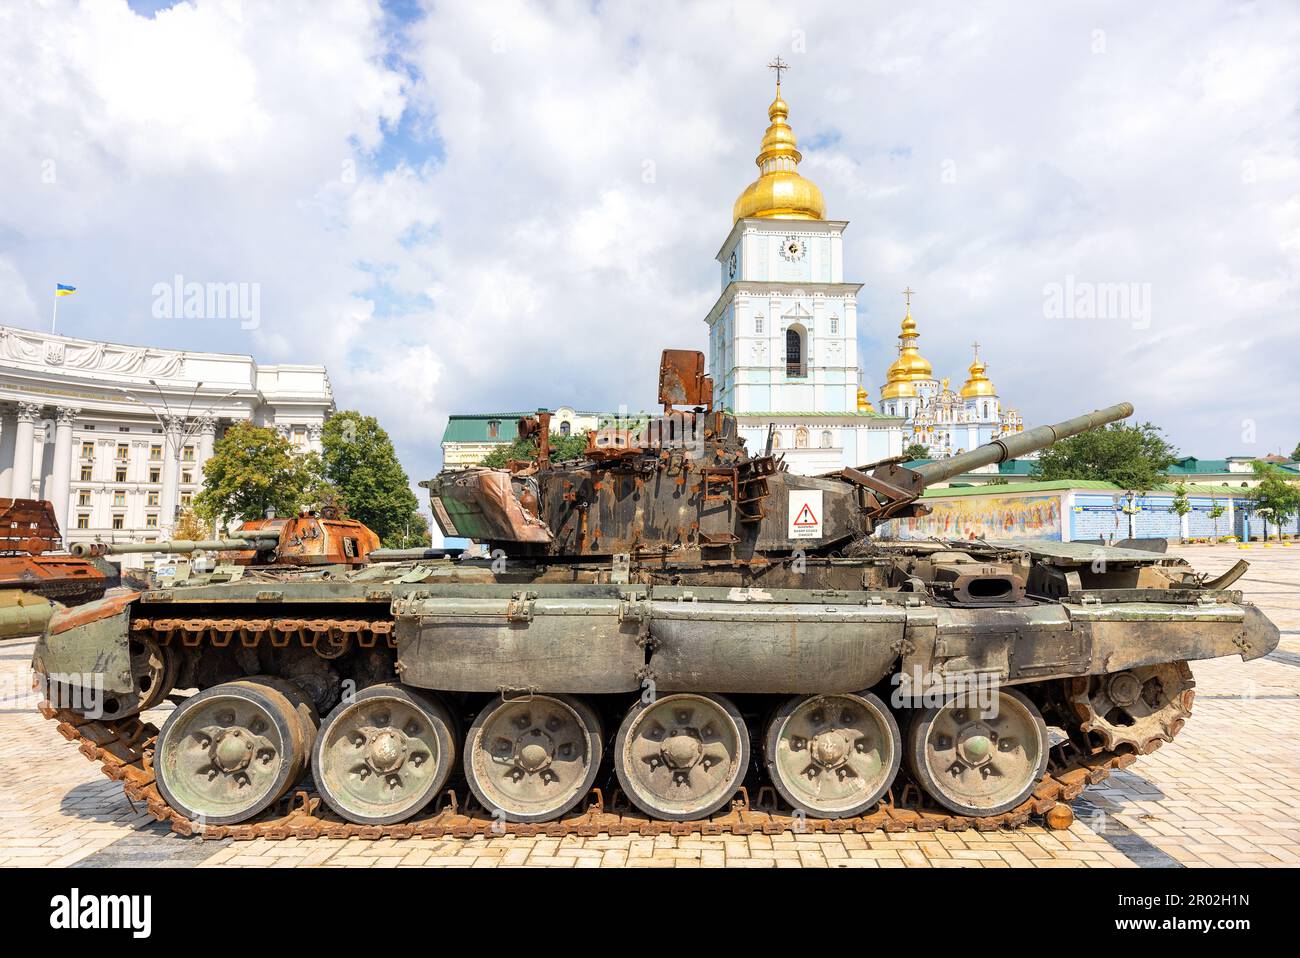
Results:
<point x="479" y="206"/>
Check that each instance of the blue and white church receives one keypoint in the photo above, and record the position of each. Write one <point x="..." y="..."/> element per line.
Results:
<point x="783" y="337"/>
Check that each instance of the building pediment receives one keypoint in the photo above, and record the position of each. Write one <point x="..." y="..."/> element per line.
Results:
<point x="44" y="351"/>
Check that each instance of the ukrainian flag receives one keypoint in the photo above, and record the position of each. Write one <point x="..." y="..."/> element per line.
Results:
<point x="61" y="289"/>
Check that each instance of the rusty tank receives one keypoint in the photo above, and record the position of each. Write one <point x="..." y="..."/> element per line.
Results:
<point x="36" y="575"/>
<point x="672" y="632"/>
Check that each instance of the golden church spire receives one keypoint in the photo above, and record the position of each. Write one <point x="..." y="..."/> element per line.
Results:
<point x="910" y="366"/>
<point x="978" y="384"/>
<point x="780" y="192"/>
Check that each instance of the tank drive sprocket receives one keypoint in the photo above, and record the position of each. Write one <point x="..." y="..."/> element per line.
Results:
<point x="1137" y="709"/>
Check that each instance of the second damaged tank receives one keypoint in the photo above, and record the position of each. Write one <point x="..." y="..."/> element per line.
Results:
<point x="670" y="628"/>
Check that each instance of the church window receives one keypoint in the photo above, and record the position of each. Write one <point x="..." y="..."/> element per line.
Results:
<point x="564" y="428"/>
<point x="801" y="438"/>
<point x="758" y="325"/>
<point x="835" y="325"/>
<point x="795" y="359"/>
<point x="827" y="439"/>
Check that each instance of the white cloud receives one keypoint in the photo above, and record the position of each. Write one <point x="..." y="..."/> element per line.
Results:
<point x="543" y="218"/>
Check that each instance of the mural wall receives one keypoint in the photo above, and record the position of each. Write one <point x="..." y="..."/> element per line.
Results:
<point x="984" y="517"/>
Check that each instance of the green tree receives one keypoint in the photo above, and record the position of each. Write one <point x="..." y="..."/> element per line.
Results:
<point x="563" y="448"/>
<point x="1216" y="512"/>
<point x="1295" y="453"/>
<point x="916" y="450"/>
<point x="1179" y="505"/>
<point x="1133" y="457"/>
<point x="1276" y="497"/>
<point x="189" y="526"/>
<point x="359" y="468"/>
<point x="253" y="470"/>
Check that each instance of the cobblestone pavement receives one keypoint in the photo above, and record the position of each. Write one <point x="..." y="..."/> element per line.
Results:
<point x="1227" y="792"/>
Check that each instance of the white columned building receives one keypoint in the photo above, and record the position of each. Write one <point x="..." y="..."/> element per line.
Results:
<point x="116" y="436"/>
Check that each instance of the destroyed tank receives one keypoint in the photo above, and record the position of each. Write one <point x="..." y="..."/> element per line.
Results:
<point x="669" y="632"/>
<point x="36" y="575"/>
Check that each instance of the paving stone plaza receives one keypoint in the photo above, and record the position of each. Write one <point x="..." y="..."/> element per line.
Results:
<point x="1226" y="793"/>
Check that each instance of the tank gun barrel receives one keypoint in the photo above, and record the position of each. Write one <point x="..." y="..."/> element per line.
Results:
<point x="1020" y="444"/>
<point x="85" y="550"/>
<point x="408" y="555"/>
<point x="892" y="489"/>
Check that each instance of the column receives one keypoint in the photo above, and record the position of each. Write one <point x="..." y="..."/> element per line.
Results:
<point x="313" y="437"/>
<point x="207" y="440"/>
<point x="24" y="440"/>
<point x="61" y="480"/>
<point x="8" y="424"/>
<point x="173" y="427"/>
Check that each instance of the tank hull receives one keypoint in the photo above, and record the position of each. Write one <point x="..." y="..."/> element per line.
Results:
<point x="491" y="647"/>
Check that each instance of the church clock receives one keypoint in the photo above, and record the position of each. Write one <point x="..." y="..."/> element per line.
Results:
<point x="731" y="265"/>
<point x="792" y="248"/>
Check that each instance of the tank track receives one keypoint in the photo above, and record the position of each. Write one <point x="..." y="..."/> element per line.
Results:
<point x="124" y="749"/>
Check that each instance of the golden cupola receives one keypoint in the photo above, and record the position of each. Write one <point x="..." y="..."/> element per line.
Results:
<point x="864" y="400"/>
<point x="780" y="192"/>
<point x="897" y="385"/>
<point x="978" y="384"/>
<point x="910" y="366"/>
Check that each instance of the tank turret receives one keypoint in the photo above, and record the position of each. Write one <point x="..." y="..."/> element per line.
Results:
<point x="309" y="538"/>
<point x="680" y="486"/>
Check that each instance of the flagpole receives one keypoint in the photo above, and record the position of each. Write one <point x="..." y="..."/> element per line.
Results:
<point x="54" y="322"/>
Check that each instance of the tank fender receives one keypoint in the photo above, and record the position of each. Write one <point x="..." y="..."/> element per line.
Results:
<point x="1124" y="635"/>
<point x="521" y="642"/>
<point x="89" y="640"/>
<point x="741" y="645"/>
<point x="1006" y="645"/>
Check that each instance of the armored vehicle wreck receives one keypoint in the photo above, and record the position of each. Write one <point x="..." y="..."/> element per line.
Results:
<point x="670" y="629"/>
<point x="36" y="574"/>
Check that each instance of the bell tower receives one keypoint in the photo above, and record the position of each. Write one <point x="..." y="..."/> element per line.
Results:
<point x="783" y="332"/>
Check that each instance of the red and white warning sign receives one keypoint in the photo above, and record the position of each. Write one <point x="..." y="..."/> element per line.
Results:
<point x="805" y="514"/>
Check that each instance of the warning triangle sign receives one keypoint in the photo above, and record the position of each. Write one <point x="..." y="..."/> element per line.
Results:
<point x="805" y="516"/>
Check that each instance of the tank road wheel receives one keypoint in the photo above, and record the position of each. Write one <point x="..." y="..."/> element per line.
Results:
<point x="833" y="755"/>
<point x="1139" y="708"/>
<point x="383" y="756"/>
<point x="229" y="752"/>
<point x="533" y="759"/>
<point x="154" y="668"/>
<point x="681" y="756"/>
<point x="153" y="673"/>
<point x="974" y="765"/>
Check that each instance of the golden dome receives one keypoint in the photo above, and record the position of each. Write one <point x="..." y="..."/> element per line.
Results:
<point x="910" y="361"/>
<point x="897" y="385"/>
<point x="864" y="403"/>
<point x="780" y="192"/>
<point x="978" y="384"/>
